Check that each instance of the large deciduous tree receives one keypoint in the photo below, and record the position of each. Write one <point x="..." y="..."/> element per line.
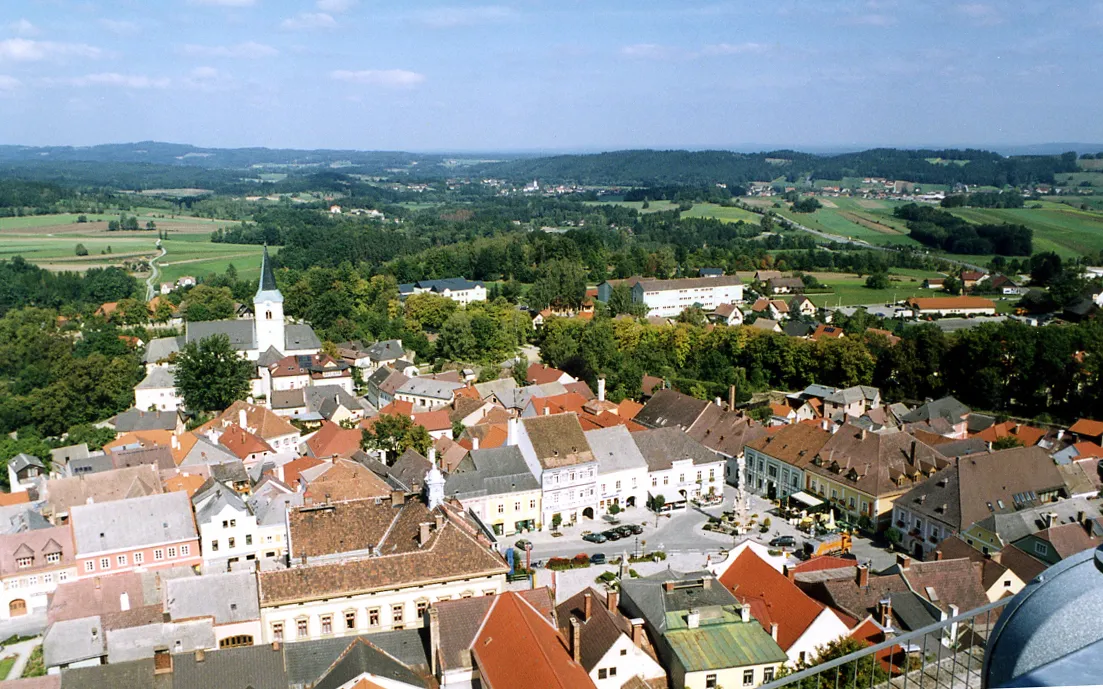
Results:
<point x="210" y="375"/>
<point x="396" y="433"/>
<point x="205" y="303"/>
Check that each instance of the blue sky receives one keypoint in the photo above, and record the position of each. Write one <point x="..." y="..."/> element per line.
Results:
<point x="559" y="75"/>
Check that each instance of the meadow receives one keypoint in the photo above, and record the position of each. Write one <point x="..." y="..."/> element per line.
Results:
<point x="1069" y="231"/>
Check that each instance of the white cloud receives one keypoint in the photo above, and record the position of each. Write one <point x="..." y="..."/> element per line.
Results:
<point x="24" y="28"/>
<point x="736" y="48"/>
<point x="870" y="19"/>
<point x="650" y="51"/>
<point x="387" y="78"/>
<point x="335" y="6"/>
<point x="309" y="20"/>
<point x="980" y="13"/>
<point x="208" y="79"/>
<point x="121" y="27"/>
<point x="25" y="50"/>
<point x="8" y="83"/>
<point x="225" y="3"/>
<point x="130" y="81"/>
<point x="248" y="50"/>
<point x="450" y="17"/>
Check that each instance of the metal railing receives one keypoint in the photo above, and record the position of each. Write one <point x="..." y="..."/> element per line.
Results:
<point x="948" y="654"/>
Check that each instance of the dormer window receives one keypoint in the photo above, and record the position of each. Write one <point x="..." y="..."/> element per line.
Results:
<point x="24" y="562"/>
<point x="53" y="558"/>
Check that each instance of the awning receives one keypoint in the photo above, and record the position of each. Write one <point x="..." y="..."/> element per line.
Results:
<point x="806" y="499"/>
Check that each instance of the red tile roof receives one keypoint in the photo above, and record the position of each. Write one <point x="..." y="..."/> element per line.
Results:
<point x="1087" y="427"/>
<point x="438" y="420"/>
<point x="772" y="597"/>
<point x="294" y="468"/>
<point x="628" y="409"/>
<point x="398" y="407"/>
<point x="1027" y="435"/>
<point x="827" y="331"/>
<point x="924" y="303"/>
<point x="241" y="442"/>
<point x="333" y="441"/>
<point x="538" y="374"/>
<point x="817" y="564"/>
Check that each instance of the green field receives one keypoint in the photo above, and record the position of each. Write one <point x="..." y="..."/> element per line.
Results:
<point x="851" y="290"/>
<point x="725" y="213"/>
<point x="1057" y="227"/>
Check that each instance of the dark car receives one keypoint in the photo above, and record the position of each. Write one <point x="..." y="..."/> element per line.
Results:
<point x="625" y="530"/>
<point x="595" y="538"/>
<point x="597" y="559"/>
<point x="522" y="544"/>
<point x="633" y="529"/>
<point x="612" y="535"/>
<point x="783" y="542"/>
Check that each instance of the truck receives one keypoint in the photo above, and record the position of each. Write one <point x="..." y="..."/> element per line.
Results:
<point x="828" y="544"/>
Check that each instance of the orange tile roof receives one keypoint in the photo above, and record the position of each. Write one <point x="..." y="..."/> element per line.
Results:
<point x="346" y="480"/>
<point x="1027" y="435"/>
<point x="295" y="467"/>
<point x="1088" y="449"/>
<point x="538" y="374"/>
<point x="241" y="442"/>
<point x="187" y="483"/>
<point x="827" y="331"/>
<point x="153" y="438"/>
<point x="331" y="440"/>
<point x="1088" y="427"/>
<point x="434" y="420"/>
<point x="782" y="410"/>
<point x="823" y="562"/>
<point x="263" y="421"/>
<point x="398" y="407"/>
<point x="517" y="648"/>
<point x="628" y="409"/>
<point x="7" y="499"/>
<point x="772" y="597"/>
<point x="468" y="391"/>
<point x="185" y="442"/>
<point x="107" y="308"/>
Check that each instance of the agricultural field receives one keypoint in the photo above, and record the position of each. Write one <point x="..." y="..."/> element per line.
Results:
<point x="653" y="206"/>
<point x="850" y="290"/>
<point x="724" y="213"/>
<point x="865" y="219"/>
<point x="1069" y="231"/>
<point x="50" y="241"/>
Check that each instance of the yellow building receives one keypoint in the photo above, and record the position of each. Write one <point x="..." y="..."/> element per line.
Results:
<point x="497" y="486"/>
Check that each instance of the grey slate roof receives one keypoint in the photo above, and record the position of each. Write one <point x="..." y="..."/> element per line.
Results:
<point x="132" y="523"/>
<point x="240" y="332"/>
<point x="272" y="510"/>
<point x="670" y="408"/>
<point x="288" y="399"/>
<point x="300" y="336"/>
<point x="223" y="497"/>
<point x="137" y="674"/>
<point x="326" y="399"/>
<point x="158" y="377"/>
<point x="946" y="408"/>
<point x="410" y="469"/>
<point x="307" y="660"/>
<point x="93" y="464"/>
<point x="135" y="643"/>
<point x="205" y="452"/>
<point x="70" y="641"/>
<point x="663" y="446"/>
<point x="386" y="350"/>
<point x="494" y="471"/>
<point x="429" y="387"/>
<point x="499" y="386"/>
<point x="614" y="450"/>
<point x="267" y="277"/>
<point x="269" y="356"/>
<point x="228" y="597"/>
<point x="161" y="348"/>
<point x="439" y="286"/>
<point x="157" y="455"/>
<point x="853" y="394"/>
<point x="134" y="419"/>
<point x="64" y="455"/>
<point x="23" y="460"/>
<point x="363" y="657"/>
<point x="653" y="602"/>
<point x="258" y="667"/>
<point x="1012" y="526"/>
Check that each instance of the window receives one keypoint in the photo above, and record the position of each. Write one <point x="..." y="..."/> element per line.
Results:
<point x="24" y="562"/>
<point x="233" y="523"/>
<point x="139" y="558"/>
<point x="398" y="611"/>
<point x="89" y="566"/>
<point x="710" y="681"/>
<point x="1041" y="548"/>
<point x="834" y="494"/>
<point x="618" y="485"/>
<point x="853" y="504"/>
<point x="699" y="474"/>
<point x="501" y="508"/>
<point x="654" y="481"/>
<point x="214" y="545"/>
<point x="236" y="641"/>
<point x="48" y="578"/>
<point x="327" y="624"/>
<point x="53" y="558"/>
<point x="248" y="539"/>
<point x="865" y="507"/>
<point x="105" y="562"/>
<point x="350" y="619"/>
<point x="185" y="550"/>
<point x="532" y="504"/>
<point x="373" y="617"/>
<point x="32" y="580"/>
<point x="517" y="506"/>
<point x="666" y="480"/>
<point x="172" y="550"/>
<point x="301" y="629"/>
<point x="121" y="560"/>
<point x="158" y="554"/>
<point x="225" y="524"/>
<point x="624" y="651"/>
<point x="748" y="678"/>
<point x="277" y="631"/>
<point x="681" y="478"/>
<point x="768" y="675"/>
<point x="602" y="673"/>
<point x="422" y="606"/>
<point x="230" y="544"/>
<point x="712" y="475"/>
<point x="63" y="576"/>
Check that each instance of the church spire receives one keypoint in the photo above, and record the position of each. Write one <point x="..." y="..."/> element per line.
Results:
<point x="267" y="278"/>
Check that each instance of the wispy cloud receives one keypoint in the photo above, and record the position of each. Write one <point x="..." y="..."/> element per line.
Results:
<point x="649" y="51"/>
<point x="450" y="17"/>
<point x="225" y="3"/>
<point x="387" y="78"/>
<point x="130" y="81"/>
<point x="209" y="79"/>
<point x="122" y="27"/>
<point x="26" y="50"/>
<point x="23" y="28"/>
<point x="308" y="21"/>
<point x="9" y="83"/>
<point x="250" y="50"/>
<point x="335" y="6"/>
<point x="870" y="19"/>
<point x="748" y="48"/>
<point x="980" y="13"/>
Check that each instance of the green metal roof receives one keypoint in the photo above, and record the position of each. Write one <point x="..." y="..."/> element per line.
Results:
<point x="720" y="641"/>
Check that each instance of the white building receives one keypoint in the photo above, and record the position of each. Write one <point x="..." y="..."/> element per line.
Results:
<point x="458" y="289"/>
<point x="556" y="452"/>
<point x="32" y="564"/>
<point x="671" y="297"/>
<point x="427" y="394"/>
<point x="228" y="531"/>
<point x="24" y="471"/>
<point x="157" y="391"/>
<point x="621" y="469"/>
<point x="678" y="467"/>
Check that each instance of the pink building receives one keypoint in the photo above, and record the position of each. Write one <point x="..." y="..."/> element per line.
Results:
<point x="136" y="534"/>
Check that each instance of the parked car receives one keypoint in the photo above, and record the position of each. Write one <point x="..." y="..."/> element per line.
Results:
<point x="634" y="529"/>
<point x="522" y="544"/>
<point x="612" y="535"/>
<point x="597" y="559"/>
<point x="625" y="530"/>
<point x="783" y="542"/>
<point x="595" y="538"/>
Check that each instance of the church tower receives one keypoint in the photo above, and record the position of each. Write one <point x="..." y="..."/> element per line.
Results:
<point x="268" y="309"/>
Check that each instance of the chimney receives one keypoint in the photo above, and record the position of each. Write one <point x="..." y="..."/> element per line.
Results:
<point x="175" y="442"/>
<point x="1080" y="518"/>
<point x="912" y="455"/>
<point x="276" y="646"/>
<point x="731" y="398"/>
<point x="302" y="558"/>
<point x="547" y="410"/>
<point x="706" y="583"/>
<point x="601" y="389"/>
<point x="693" y="619"/>
<point x="884" y="612"/>
<point x="773" y="631"/>
<point x="434" y="637"/>
<point x="200" y="655"/>
<point x="588" y="605"/>
<point x="474" y="443"/>
<point x="938" y="555"/>
<point x="438" y="520"/>
<point x="863" y="576"/>
<point x="903" y="561"/>
<point x="124" y="601"/>
<point x="668" y="586"/>
<point x="423" y="533"/>
<point x="398" y="497"/>
<point x="718" y="402"/>
<point x="1050" y="518"/>
<point x="863" y="436"/>
<point x="433" y="455"/>
<point x="789" y="573"/>
<point x="745" y="613"/>
<point x="157" y="581"/>
<point x="241" y="417"/>
<point x="162" y="662"/>
<point x="637" y="631"/>
<point x="576" y="640"/>
<point x="612" y="601"/>
<point x="97" y="582"/>
<point x="1060" y="435"/>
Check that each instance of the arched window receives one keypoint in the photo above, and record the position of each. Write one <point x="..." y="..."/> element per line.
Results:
<point x="268" y="315"/>
<point x="236" y="641"/>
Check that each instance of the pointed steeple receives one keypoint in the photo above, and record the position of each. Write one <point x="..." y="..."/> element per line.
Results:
<point x="267" y="278"/>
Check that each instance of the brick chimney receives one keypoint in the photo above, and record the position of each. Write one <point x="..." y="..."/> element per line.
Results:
<point x="903" y="561"/>
<point x="773" y="631"/>
<point x="938" y="555"/>
<point x="884" y="612"/>
<point x="423" y="533"/>
<point x="434" y="637"/>
<point x="576" y="640"/>
<point x="398" y="497"/>
<point x="612" y="601"/>
<point x="790" y="574"/>
<point x="587" y="605"/>
<point x="637" y="631"/>
<point x="862" y="577"/>
<point x="668" y="586"/>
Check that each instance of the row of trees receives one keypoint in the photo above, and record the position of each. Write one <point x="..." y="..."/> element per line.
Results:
<point x="946" y="231"/>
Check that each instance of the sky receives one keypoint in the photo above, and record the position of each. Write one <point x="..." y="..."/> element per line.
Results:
<point x="562" y="75"/>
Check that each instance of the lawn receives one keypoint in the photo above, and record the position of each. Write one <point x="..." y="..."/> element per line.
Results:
<point x="725" y="213"/>
<point x="851" y="291"/>
<point x="5" y="666"/>
<point x="652" y="206"/>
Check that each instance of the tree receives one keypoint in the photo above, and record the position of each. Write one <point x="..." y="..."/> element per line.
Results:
<point x="894" y="537"/>
<point x="864" y="672"/>
<point x="94" y="436"/>
<point x="394" y="434"/>
<point x="81" y="250"/>
<point x="951" y="285"/>
<point x="163" y="312"/>
<point x="428" y="310"/>
<point x="557" y="519"/>
<point x="620" y="301"/>
<point x="878" y="281"/>
<point x="1007" y="442"/>
<point x="131" y="312"/>
<point x="561" y="283"/>
<point x="210" y="375"/>
<point x="206" y="303"/>
<point x="614" y="509"/>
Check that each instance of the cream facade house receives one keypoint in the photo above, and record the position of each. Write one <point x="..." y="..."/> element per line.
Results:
<point x="556" y="452"/>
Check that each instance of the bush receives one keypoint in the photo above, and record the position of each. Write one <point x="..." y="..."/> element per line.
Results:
<point x="766" y="523"/>
<point x="81" y="250"/>
<point x="559" y="563"/>
<point x="633" y="573"/>
<point x="606" y="578"/>
<point x="581" y="560"/>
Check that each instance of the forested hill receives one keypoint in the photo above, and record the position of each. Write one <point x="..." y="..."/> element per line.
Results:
<point x="644" y="167"/>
